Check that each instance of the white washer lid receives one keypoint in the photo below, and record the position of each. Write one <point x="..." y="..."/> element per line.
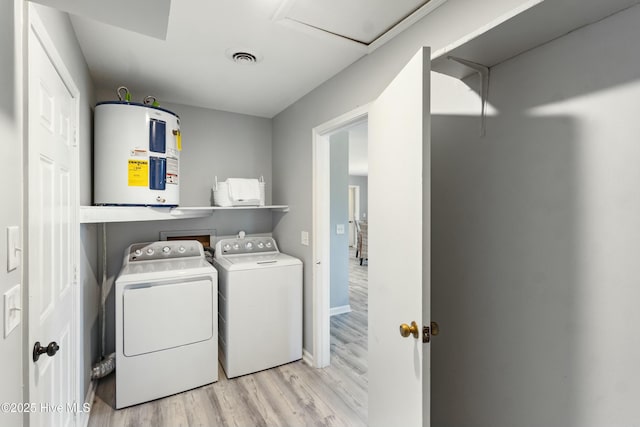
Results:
<point x="256" y="261"/>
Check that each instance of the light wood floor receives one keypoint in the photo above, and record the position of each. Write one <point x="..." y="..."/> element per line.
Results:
<point x="287" y="396"/>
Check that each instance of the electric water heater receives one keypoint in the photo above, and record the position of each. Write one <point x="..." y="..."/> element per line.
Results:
<point x="136" y="155"/>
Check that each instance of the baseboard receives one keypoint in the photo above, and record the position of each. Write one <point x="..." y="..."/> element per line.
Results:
<point x="307" y="358"/>
<point x="340" y="310"/>
<point x="91" y="394"/>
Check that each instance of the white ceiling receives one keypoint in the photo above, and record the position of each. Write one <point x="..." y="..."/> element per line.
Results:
<point x="360" y="20"/>
<point x="300" y="44"/>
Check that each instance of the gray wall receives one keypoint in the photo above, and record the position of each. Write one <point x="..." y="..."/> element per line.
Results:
<point x="228" y="145"/>
<point x="339" y="212"/>
<point x="357" y="85"/>
<point x="363" y="183"/>
<point x="214" y="143"/>
<point x="535" y="239"/>
<point x="11" y="212"/>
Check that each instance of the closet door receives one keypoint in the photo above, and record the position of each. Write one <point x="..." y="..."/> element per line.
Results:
<point x="399" y="248"/>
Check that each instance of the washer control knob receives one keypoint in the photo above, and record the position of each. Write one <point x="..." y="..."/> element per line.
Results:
<point x="137" y="252"/>
<point x="269" y="244"/>
<point x="150" y="251"/>
<point x="261" y="245"/>
<point x="248" y="245"/>
<point x="227" y="247"/>
<point x="181" y="249"/>
<point x="166" y="249"/>
<point x="236" y="246"/>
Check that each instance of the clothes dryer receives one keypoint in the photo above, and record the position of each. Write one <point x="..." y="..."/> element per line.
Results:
<point x="166" y="321"/>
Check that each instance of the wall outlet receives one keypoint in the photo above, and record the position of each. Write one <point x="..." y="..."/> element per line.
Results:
<point x="339" y="228"/>
<point x="304" y="238"/>
<point x="12" y="309"/>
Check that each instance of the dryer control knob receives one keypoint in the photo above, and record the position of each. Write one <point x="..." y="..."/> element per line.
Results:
<point x="181" y="249"/>
<point x="166" y="249"/>
<point x="150" y="251"/>
<point x="249" y="245"/>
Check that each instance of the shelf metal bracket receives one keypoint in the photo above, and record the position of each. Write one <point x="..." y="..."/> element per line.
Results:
<point x="483" y="71"/>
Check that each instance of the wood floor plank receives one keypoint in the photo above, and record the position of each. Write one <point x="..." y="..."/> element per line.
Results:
<point x="291" y="395"/>
<point x="200" y="411"/>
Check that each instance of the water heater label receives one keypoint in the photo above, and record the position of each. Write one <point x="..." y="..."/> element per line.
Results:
<point x="138" y="173"/>
<point x="172" y="170"/>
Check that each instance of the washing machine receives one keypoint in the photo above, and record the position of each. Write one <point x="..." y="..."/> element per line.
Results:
<point x="166" y="321"/>
<point x="259" y="305"/>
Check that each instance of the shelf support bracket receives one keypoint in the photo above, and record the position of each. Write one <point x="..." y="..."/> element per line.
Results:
<point x="483" y="71"/>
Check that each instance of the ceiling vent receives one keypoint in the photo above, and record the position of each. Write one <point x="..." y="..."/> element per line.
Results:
<point x="244" y="58"/>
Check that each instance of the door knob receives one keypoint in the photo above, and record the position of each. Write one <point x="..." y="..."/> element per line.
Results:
<point x="406" y="330"/>
<point x="51" y="350"/>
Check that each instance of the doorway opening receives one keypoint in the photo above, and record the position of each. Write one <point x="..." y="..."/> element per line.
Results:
<point x="325" y="230"/>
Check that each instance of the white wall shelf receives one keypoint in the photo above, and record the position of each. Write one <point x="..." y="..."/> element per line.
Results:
<point x="534" y="23"/>
<point x="102" y="214"/>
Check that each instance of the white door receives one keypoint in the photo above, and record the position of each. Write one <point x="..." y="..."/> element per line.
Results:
<point x="52" y="221"/>
<point x="399" y="245"/>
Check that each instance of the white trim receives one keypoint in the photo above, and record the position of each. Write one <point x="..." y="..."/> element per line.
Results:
<point x="40" y="32"/>
<point x="322" y="231"/>
<point x="322" y="34"/>
<point x="283" y="10"/>
<point x="307" y="358"/>
<point x="334" y="311"/>
<point x="405" y="23"/>
<point x="356" y="202"/>
<point x="321" y="249"/>
<point x="356" y="211"/>
<point x="91" y="394"/>
<point x="280" y="16"/>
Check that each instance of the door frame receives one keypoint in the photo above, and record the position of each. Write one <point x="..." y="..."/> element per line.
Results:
<point x="356" y="208"/>
<point x="36" y="25"/>
<point x="322" y="231"/>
